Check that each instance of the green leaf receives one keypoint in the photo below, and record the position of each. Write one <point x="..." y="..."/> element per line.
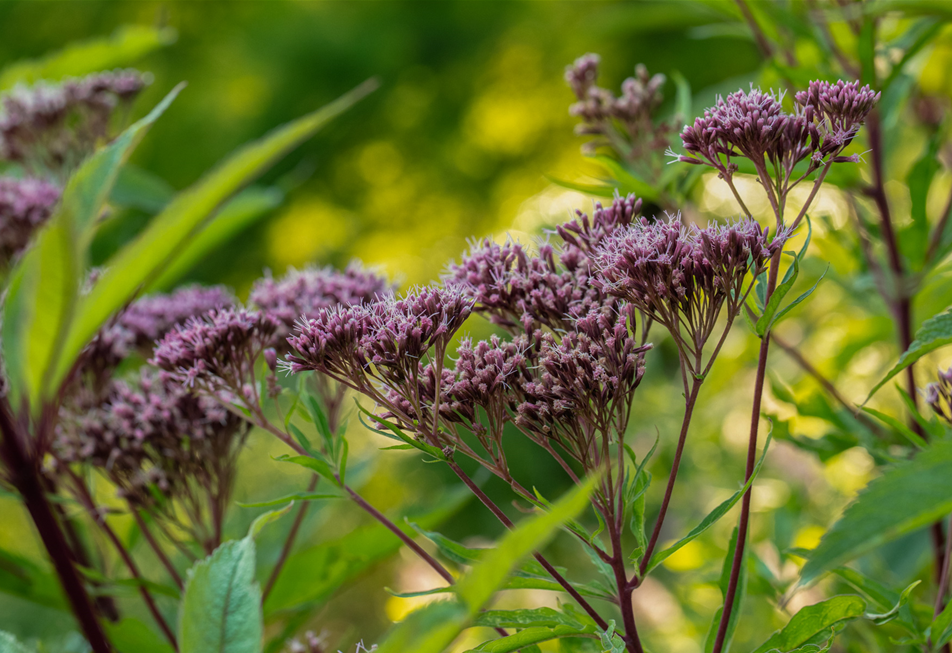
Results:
<point x="527" y="637"/>
<point x="934" y="333"/>
<point x="318" y="465"/>
<point x="237" y="215"/>
<point x="433" y="628"/>
<point x="766" y="320"/>
<point x="300" y="496"/>
<point x="125" y="46"/>
<point x="598" y="190"/>
<point x="140" y="189"/>
<point x="139" y="263"/>
<point x="9" y="644"/>
<point x="221" y="610"/>
<point x="711" y="518"/>
<point x="789" y="307"/>
<point x="907" y="497"/>
<point x="313" y="574"/>
<point x="478" y="585"/>
<point x="886" y="617"/>
<point x="44" y="290"/>
<point x="263" y="520"/>
<point x="898" y="426"/>
<point x="628" y="183"/>
<point x="941" y="628"/>
<point x="436" y="452"/>
<point x="541" y="617"/>
<point x="132" y="636"/>
<point x="813" y="621"/>
<point x="739" y="596"/>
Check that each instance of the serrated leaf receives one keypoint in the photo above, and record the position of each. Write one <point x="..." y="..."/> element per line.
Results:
<point x="139" y="263"/>
<point x="934" y="333"/>
<point x="812" y="621"/>
<point x="221" y="609"/>
<point x="907" y="497"/>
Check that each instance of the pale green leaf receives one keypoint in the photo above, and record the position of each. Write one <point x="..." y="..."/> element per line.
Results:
<point x="138" y="264"/>
<point x="814" y="621"/>
<point x="124" y="47"/>
<point x="907" y="497"/>
<point x="10" y="644"/>
<point x="221" y="610"/>
<point x="267" y="518"/>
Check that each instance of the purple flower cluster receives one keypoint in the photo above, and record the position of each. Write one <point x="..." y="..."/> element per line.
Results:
<point x="150" y="433"/>
<point x="25" y="204"/>
<point x="584" y="384"/>
<point x="523" y="293"/>
<point x="681" y="275"/>
<point x="217" y="351"/>
<point x="394" y="335"/>
<point x="939" y="395"/>
<point x="146" y="320"/>
<point x="624" y="122"/>
<point x="302" y="294"/>
<point x="50" y="128"/>
<point x="754" y="125"/>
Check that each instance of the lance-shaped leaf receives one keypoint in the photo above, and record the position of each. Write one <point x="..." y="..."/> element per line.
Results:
<point x="815" y="623"/>
<point x="907" y="497"/>
<point x="934" y="333"/>
<point x="44" y="286"/>
<point x="140" y="262"/>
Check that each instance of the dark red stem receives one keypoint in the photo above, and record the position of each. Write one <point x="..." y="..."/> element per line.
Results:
<point x="24" y="476"/>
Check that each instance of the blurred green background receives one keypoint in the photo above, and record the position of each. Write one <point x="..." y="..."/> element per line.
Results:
<point x="459" y="141"/>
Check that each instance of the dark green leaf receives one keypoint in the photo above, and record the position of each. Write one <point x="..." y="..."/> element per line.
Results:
<point x="132" y="636"/>
<point x="521" y="640"/>
<point x="221" y="609"/>
<point x="907" y="497"/>
<point x="898" y="426"/>
<point x="934" y="333"/>
<point x="892" y="613"/>
<point x="542" y="617"/>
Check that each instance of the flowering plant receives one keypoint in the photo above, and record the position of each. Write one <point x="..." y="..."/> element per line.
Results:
<point x="115" y="385"/>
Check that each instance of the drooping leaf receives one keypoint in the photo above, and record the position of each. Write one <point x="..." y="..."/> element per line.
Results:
<point x="907" y="497"/>
<point x="139" y="263"/>
<point x="885" y="617"/>
<point x="45" y="284"/>
<point x="266" y="518"/>
<point x="814" y="621"/>
<point x="124" y="47"/>
<point x="934" y="333"/>
<point x="221" y="609"/>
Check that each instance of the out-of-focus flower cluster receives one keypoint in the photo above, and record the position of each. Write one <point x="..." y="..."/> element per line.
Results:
<point x="25" y="204"/>
<point x="626" y="123"/>
<point x="136" y="329"/>
<point x="301" y="294"/>
<point x="939" y="395"/>
<point x="150" y="433"/>
<point x="312" y="643"/>
<point x="755" y="126"/>
<point x="49" y="129"/>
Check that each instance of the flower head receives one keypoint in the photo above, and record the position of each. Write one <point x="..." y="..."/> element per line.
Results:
<point x="939" y="395"/>
<point x="301" y="294"/>
<point x="51" y="128"/>
<point x="681" y="275"/>
<point x="839" y="110"/>
<point x="586" y="233"/>
<point x="150" y="432"/>
<point x="331" y="342"/>
<point x="25" y="204"/>
<point x="217" y="351"/>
